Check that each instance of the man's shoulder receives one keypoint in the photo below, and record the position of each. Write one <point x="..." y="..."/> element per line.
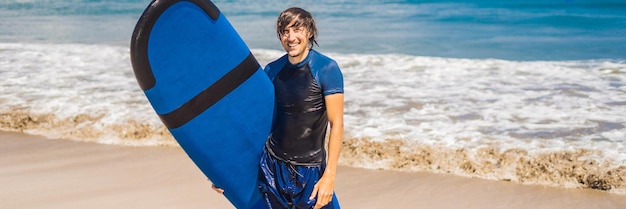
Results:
<point x="322" y="62"/>
<point x="320" y="58"/>
<point x="278" y="63"/>
<point x="327" y="73"/>
<point x="272" y="68"/>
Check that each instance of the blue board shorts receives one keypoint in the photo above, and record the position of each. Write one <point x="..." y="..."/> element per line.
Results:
<point x="284" y="185"/>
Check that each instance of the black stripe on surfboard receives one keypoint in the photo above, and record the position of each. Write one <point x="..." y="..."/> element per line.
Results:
<point x="211" y="95"/>
<point x="141" y="35"/>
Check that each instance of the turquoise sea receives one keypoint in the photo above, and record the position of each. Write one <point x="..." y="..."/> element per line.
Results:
<point x="511" y="30"/>
<point x="531" y="92"/>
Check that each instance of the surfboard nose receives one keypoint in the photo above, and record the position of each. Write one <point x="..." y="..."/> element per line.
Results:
<point x="141" y="34"/>
<point x="211" y="46"/>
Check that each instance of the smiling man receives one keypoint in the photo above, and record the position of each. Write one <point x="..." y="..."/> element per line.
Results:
<point x="295" y="169"/>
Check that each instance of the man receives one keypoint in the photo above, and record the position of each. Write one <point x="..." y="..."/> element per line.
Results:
<point x="295" y="170"/>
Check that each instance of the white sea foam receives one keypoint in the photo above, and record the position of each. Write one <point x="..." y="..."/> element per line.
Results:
<point x="433" y="100"/>
<point x="438" y="101"/>
<point x="456" y="104"/>
<point x="72" y="80"/>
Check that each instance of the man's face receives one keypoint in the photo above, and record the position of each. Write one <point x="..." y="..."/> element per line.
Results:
<point x="295" y="41"/>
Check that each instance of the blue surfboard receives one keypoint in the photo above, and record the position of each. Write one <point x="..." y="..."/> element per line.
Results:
<point x="208" y="90"/>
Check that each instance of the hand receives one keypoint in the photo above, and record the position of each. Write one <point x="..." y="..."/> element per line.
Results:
<point x="324" y="191"/>
<point x="217" y="189"/>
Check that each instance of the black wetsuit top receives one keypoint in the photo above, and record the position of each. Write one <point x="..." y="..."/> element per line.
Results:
<point x="301" y="120"/>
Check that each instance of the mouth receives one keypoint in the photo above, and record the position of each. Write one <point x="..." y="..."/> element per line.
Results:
<point x="292" y="45"/>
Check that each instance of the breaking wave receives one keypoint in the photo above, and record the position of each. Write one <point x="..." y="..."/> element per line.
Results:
<point x="558" y="123"/>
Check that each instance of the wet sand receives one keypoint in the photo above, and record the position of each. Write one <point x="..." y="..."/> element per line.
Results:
<point x="36" y="172"/>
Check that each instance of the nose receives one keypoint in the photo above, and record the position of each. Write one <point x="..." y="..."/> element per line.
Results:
<point x="291" y="36"/>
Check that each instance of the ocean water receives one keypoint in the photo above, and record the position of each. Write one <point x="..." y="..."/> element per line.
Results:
<point x="529" y="92"/>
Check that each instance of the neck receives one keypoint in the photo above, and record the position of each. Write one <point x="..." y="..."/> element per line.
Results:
<point x="297" y="59"/>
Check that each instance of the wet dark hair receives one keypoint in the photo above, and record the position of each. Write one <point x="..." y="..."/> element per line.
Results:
<point x="302" y="17"/>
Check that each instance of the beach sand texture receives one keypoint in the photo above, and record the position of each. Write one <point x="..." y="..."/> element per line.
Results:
<point x="47" y="173"/>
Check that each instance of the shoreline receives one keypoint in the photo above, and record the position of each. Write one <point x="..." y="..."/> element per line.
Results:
<point x="50" y="173"/>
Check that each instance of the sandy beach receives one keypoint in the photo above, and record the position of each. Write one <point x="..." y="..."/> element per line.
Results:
<point x="48" y="173"/>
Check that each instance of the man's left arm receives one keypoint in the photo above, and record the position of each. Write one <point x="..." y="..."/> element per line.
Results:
<point x="325" y="186"/>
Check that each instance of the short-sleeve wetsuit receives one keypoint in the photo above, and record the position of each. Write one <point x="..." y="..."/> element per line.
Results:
<point x="300" y="119"/>
<point x="294" y="157"/>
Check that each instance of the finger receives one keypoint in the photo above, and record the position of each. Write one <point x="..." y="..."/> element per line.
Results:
<point x="314" y="193"/>
<point x="318" y="205"/>
<point x="217" y="189"/>
<point x="322" y="201"/>
<point x="328" y="197"/>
